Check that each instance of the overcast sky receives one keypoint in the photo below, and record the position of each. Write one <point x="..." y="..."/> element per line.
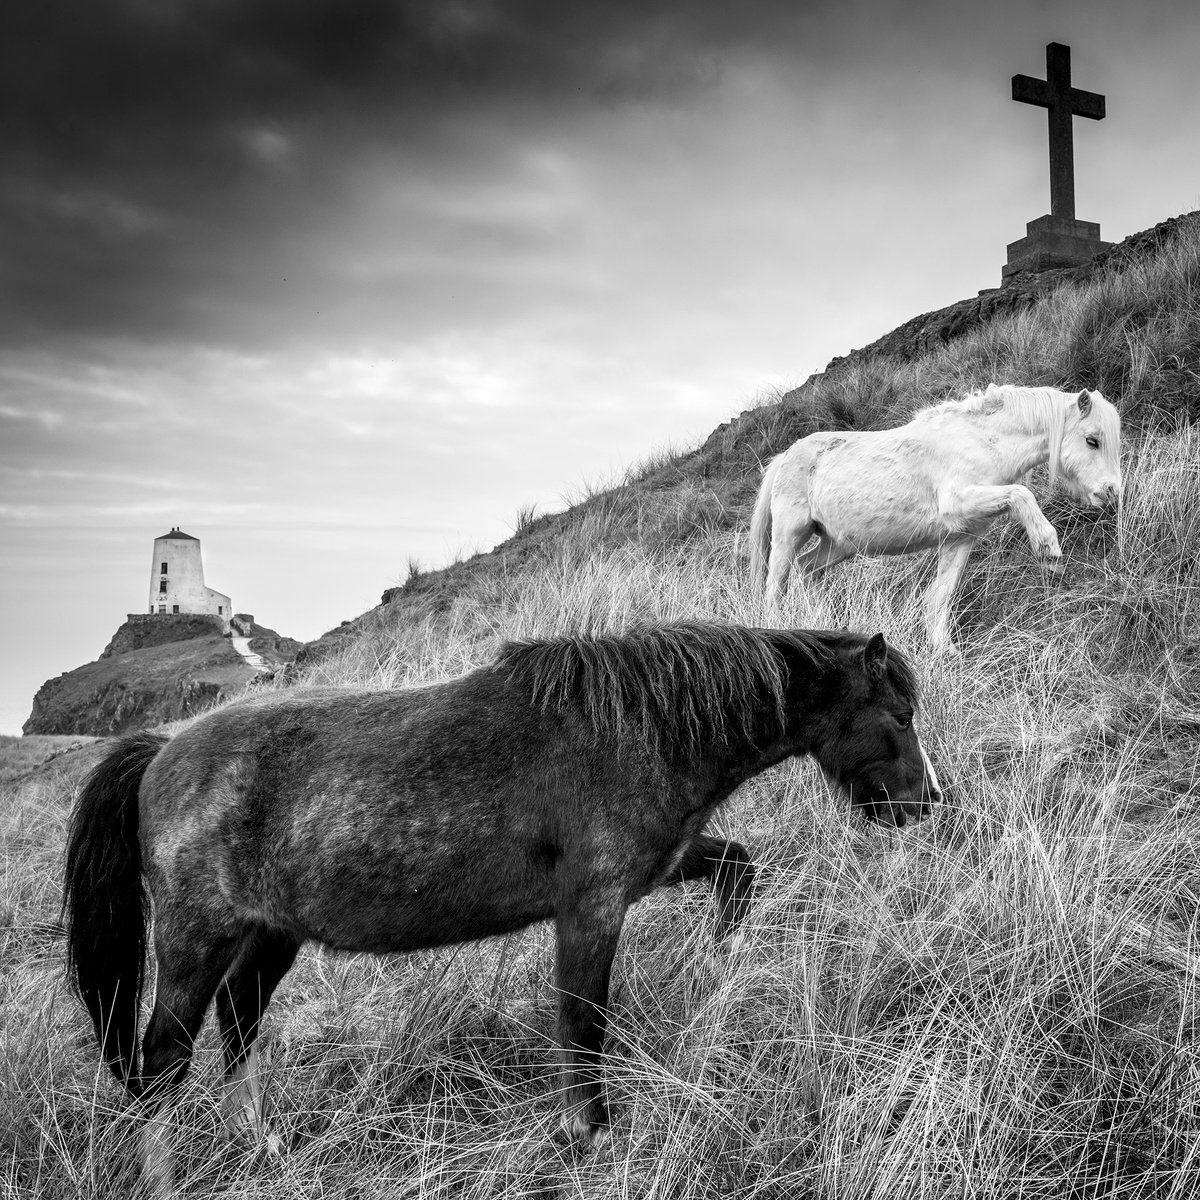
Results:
<point x="331" y="285"/>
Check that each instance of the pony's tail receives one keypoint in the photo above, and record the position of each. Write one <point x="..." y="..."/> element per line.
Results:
<point x="760" y="524"/>
<point x="104" y="901"/>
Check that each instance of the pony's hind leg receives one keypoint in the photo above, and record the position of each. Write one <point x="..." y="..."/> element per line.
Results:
<point x="952" y="558"/>
<point x="263" y="958"/>
<point x="587" y="926"/>
<point x="188" y="975"/>
<point x="827" y="554"/>
<point x="729" y="867"/>
<point x="791" y="527"/>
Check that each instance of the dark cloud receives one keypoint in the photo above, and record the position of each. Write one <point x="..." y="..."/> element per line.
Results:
<point x="142" y="66"/>
<point x="160" y="161"/>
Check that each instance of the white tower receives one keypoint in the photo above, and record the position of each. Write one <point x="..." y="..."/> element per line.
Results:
<point x="177" y="579"/>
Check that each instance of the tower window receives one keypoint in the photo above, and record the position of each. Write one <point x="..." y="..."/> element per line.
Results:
<point x="162" y="587"/>
<point x="162" y="608"/>
<point x="220" y="610"/>
<point x="163" y="570"/>
<point x="174" y="608"/>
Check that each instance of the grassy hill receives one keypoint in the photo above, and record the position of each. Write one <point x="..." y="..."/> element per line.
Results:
<point x="1126" y="325"/>
<point x="1001" y="1002"/>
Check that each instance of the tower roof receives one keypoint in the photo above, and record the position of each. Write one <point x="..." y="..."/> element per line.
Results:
<point x="177" y="534"/>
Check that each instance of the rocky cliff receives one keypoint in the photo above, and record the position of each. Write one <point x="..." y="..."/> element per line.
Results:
<point x="155" y="669"/>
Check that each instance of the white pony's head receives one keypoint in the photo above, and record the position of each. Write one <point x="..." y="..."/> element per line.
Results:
<point x="1088" y="462"/>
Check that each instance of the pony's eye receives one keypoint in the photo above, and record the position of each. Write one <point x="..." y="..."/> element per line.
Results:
<point x="904" y="720"/>
<point x="1094" y="442"/>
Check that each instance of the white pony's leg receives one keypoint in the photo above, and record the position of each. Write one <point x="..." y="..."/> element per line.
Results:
<point x="791" y="527"/>
<point x="827" y="553"/>
<point x="979" y="504"/>
<point x="952" y="557"/>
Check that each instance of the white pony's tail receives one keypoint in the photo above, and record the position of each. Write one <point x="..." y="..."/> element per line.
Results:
<point x="760" y="524"/>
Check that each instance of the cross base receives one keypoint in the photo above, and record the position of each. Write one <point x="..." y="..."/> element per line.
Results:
<point x="1053" y="242"/>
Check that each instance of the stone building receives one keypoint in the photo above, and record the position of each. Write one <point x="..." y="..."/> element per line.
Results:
<point x="177" y="579"/>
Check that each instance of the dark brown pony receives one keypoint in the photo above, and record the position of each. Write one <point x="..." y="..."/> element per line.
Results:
<point x="566" y="780"/>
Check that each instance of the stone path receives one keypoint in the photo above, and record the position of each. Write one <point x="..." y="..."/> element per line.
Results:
<point x="242" y="646"/>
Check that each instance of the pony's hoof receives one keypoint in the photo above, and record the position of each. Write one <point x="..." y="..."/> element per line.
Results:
<point x="596" y="1138"/>
<point x="582" y="1132"/>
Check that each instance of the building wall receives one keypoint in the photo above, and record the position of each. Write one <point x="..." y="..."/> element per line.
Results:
<point x="219" y="603"/>
<point x="181" y="588"/>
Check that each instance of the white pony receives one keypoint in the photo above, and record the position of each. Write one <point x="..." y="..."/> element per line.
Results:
<point x="938" y="481"/>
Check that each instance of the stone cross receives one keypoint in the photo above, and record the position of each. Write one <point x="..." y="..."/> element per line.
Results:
<point x="1062" y="101"/>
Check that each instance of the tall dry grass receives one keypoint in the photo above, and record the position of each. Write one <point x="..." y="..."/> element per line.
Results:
<point x="1000" y="1002"/>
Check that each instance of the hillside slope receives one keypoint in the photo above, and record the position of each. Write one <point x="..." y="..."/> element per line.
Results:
<point x="1125" y="323"/>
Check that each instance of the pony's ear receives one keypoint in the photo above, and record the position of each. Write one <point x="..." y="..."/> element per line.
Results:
<point x="1085" y="403"/>
<point x="875" y="655"/>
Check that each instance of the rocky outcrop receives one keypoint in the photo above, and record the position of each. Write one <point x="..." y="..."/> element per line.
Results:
<point x="273" y="648"/>
<point x="155" y="669"/>
<point x="140" y="688"/>
<point x="143" y="629"/>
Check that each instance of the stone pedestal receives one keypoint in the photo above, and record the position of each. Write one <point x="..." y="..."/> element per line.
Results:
<point x="1054" y="242"/>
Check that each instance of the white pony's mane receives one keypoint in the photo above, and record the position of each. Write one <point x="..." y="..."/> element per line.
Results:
<point x="1042" y="408"/>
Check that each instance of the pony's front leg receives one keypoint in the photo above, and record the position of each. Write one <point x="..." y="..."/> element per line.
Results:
<point x="952" y="558"/>
<point x="1042" y="535"/>
<point x="976" y="505"/>
<point x="729" y="867"/>
<point x="263" y="959"/>
<point x="242" y="1105"/>
<point x="187" y="977"/>
<point x="587" y="926"/>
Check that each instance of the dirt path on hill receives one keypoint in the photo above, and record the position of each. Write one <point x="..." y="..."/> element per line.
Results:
<point x="242" y="646"/>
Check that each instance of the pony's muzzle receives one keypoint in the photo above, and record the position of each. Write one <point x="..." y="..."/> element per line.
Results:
<point x="897" y="813"/>
<point x="1108" y="496"/>
<point x="909" y="812"/>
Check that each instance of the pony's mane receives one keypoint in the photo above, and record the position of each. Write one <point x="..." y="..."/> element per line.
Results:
<point x="1036" y="408"/>
<point x="677" y="687"/>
